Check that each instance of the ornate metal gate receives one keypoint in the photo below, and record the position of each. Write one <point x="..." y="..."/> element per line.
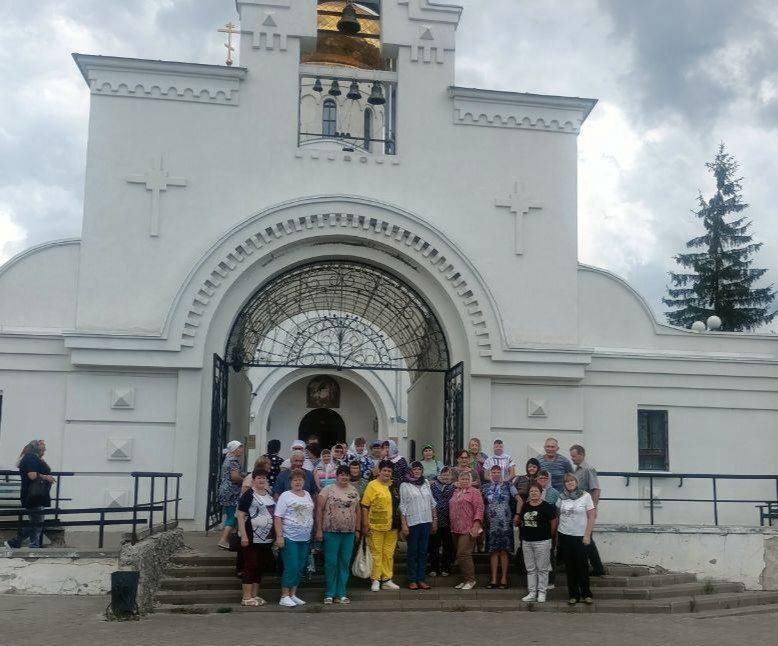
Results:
<point x="218" y="439"/>
<point x="453" y="412"/>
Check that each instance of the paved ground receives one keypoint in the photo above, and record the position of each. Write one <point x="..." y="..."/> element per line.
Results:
<point x="65" y="621"/>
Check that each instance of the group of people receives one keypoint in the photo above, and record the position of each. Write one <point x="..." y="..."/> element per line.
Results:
<point x="330" y="499"/>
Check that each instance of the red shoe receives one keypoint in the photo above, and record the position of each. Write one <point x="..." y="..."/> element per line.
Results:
<point x="413" y="586"/>
<point x="424" y="586"/>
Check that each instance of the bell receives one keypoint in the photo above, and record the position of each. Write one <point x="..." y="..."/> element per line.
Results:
<point x="349" y="23"/>
<point x="377" y="94"/>
<point x="353" y="92"/>
<point x="317" y="87"/>
<point x="335" y="89"/>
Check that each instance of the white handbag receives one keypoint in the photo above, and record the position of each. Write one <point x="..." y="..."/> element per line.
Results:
<point x="363" y="563"/>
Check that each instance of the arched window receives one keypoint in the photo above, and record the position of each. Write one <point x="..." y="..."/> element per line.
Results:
<point x="329" y="118"/>
<point x="368" y="128"/>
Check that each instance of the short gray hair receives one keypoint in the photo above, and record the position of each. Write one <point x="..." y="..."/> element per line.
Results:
<point x="296" y="454"/>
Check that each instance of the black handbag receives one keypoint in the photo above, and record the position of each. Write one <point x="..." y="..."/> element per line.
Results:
<point x="38" y="493"/>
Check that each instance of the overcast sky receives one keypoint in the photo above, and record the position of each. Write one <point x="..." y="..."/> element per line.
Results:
<point x="673" y="78"/>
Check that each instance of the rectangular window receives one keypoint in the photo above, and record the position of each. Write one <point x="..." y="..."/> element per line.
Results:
<point x="652" y="441"/>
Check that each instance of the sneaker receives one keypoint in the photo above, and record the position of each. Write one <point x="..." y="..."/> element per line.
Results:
<point x="541" y="597"/>
<point x="444" y="573"/>
<point x="530" y="597"/>
<point x="343" y="600"/>
<point x="297" y="600"/>
<point x="389" y="585"/>
<point x="224" y="546"/>
<point x="287" y="602"/>
<point x="468" y="585"/>
<point x="588" y="601"/>
<point x="550" y="586"/>
<point x="327" y="601"/>
<point x="459" y="586"/>
<point x="434" y="573"/>
<point x="375" y="586"/>
<point x="572" y="601"/>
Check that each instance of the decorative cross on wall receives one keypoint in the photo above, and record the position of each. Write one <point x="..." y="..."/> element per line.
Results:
<point x="157" y="179"/>
<point x="520" y="205"/>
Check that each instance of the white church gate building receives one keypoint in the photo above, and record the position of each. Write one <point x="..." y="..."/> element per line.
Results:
<point x="336" y="207"/>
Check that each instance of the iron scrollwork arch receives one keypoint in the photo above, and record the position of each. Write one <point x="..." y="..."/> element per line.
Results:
<point x="338" y="314"/>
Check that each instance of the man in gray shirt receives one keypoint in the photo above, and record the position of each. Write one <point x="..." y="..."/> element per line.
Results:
<point x="588" y="481"/>
<point x="556" y="465"/>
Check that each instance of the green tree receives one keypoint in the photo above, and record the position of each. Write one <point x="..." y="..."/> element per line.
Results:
<point x="718" y="278"/>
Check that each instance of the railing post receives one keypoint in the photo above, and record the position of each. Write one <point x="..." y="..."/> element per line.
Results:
<point x="715" y="504"/>
<point x="102" y="530"/>
<point x="178" y="489"/>
<point x="164" y="505"/>
<point x="651" y="497"/>
<point x="135" y="512"/>
<point x="151" y="507"/>
<point x="56" y="499"/>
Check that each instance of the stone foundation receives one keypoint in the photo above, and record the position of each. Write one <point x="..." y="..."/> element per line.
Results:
<point x="150" y="557"/>
<point x="747" y="555"/>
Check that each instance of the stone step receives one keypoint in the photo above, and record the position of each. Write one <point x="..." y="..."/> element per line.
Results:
<point x="648" y="580"/>
<point x="359" y="591"/>
<point x="465" y="603"/>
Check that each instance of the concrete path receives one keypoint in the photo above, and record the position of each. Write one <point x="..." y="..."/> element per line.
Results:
<point x="78" y="620"/>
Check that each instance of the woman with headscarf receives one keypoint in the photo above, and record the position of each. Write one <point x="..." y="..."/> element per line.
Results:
<point x="325" y="470"/>
<point x="399" y="463"/>
<point x="441" y="549"/>
<point x="229" y="488"/>
<point x="477" y="457"/>
<point x="430" y="463"/>
<point x="576" y="521"/>
<point x="32" y="467"/>
<point x="419" y="520"/>
<point x="522" y="482"/>
<point x="498" y="495"/>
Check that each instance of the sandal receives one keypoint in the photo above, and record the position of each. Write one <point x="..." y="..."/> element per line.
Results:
<point x="252" y="603"/>
<point x="491" y="586"/>
<point x="424" y="586"/>
<point x="413" y="586"/>
<point x="260" y="601"/>
<point x="504" y="586"/>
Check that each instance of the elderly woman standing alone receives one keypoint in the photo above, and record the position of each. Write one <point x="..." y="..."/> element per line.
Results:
<point x="576" y="521"/>
<point x="229" y="488"/>
<point x="466" y="515"/>
<point x="32" y="467"/>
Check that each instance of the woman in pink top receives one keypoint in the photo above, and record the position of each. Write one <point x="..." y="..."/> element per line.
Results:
<point x="466" y="515"/>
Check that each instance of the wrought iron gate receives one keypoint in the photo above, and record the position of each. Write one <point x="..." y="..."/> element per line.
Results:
<point x="453" y="412"/>
<point x="218" y="439"/>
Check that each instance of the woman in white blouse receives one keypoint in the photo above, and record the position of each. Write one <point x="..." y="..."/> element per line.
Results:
<point x="576" y="521"/>
<point x="419" y="520"/>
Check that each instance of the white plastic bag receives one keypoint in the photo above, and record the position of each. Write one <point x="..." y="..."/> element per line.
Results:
<point x="363" y="563"/>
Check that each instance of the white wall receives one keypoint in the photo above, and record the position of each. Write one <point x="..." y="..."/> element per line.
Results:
<point x="425" y="413"/>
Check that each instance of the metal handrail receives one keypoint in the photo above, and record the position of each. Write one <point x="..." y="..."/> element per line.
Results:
<point x="713" y="477"/>
<point x="139" y="508"/>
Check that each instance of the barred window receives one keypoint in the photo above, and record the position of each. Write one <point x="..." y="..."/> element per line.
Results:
<point x="653" y="441"/>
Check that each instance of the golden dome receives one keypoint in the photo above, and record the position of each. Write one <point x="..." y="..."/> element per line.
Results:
<point x="361" y="50"/>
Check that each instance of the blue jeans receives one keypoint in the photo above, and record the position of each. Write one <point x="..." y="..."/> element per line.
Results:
<point x="338" y="547"/>
<point x="33" y="532"/>
<point x="295" y="555"/>
<point x="418" y="543"/>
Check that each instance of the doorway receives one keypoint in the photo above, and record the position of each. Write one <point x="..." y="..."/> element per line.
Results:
<point x="326" y="424"/>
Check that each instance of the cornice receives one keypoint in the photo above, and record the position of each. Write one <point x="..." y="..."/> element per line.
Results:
<point x="163" y="80"/>
<point x="494" y="108"/>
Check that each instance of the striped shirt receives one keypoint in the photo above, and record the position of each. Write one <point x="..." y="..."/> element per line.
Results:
<point x="557" y="468"/>
<point x="416" y="503"/>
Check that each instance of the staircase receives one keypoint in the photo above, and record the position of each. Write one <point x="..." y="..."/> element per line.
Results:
<point x="199" y="583"/>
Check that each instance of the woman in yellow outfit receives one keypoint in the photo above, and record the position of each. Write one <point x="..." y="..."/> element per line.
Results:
<point x="377" y="519"/>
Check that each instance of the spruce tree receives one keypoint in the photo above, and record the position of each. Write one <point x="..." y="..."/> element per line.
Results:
<point x="719" y="277"/>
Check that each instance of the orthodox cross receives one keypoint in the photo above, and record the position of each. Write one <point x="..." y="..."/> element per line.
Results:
<point x="157" y="179"/>
<point x="520" y="205"/>
<point x="229" y="29"/>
